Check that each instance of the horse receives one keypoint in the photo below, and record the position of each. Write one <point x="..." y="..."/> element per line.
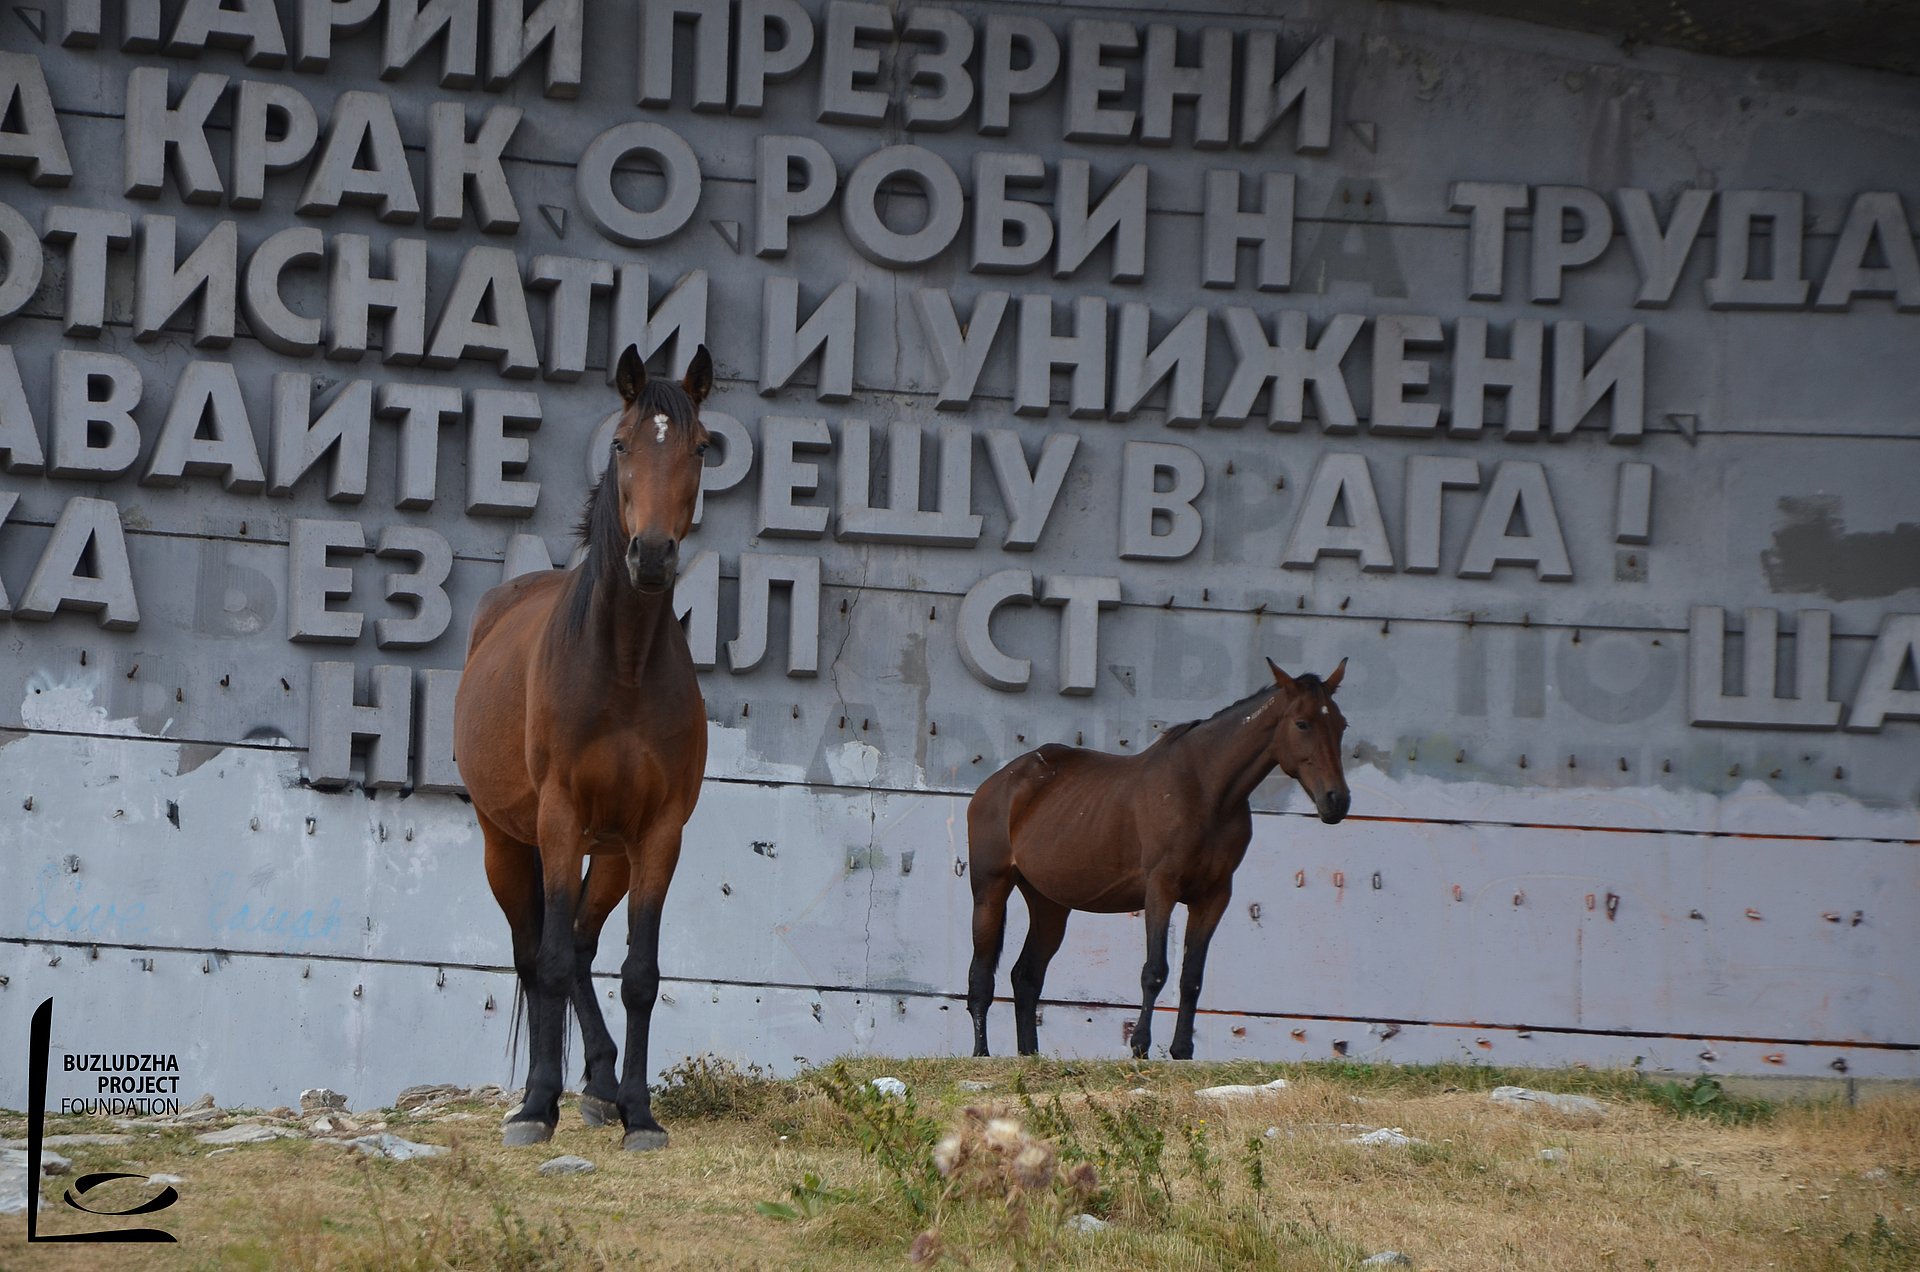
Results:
<point x="581" y="735"/>
<point x="1086" y="830"/>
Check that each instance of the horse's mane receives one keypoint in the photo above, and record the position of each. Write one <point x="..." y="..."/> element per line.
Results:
<point x="1306" y="680"/>
<point x="599" y="530"/>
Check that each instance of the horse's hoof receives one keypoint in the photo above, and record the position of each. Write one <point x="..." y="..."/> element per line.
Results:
<point x="643" y="1141"/>
<point x="595" y="1111"/>
<point x="521" y="1134"/>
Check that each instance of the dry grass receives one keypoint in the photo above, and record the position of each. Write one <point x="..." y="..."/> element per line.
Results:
<point x="774" y="1175"/>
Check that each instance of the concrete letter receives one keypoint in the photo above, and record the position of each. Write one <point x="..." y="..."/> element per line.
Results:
<point x="973" y="630"/>
<point x="38" y="145"/>
<point x="759" y="571"/>
<point x="1519" y="492"/>
<point x="782" y="476"/>
<point x="335" y="721"/>
<point x="87" y="536"/>
<point x="311" y="582"/>
<point x="787" y="344"/>
<point x="80" y="414"/>
<point x="593" y="182"/>
<point x="1339" y="481"/>
<point x="207" y="398"/>
<point x="342" y="427"/>
<point x="1143" y="504"/>
<point x="1755" y="704"/>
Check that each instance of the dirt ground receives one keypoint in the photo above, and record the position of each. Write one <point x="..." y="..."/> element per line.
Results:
<point x="825" y="1171"/>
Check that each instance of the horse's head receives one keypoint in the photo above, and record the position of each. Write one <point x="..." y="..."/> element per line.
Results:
<point x="1307" y="727"/>
<point x="656" y="463"/>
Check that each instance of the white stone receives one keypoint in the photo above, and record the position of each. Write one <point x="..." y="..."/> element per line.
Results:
<point x="1553" y="1155"/>
<point x="165" y="1179"/>
<point x="971" y="1084"/>
<point x="392" y="1146"/>
<point x="247" y="1133"/>
<point x="1386" y="1136"/>
<point x="1241" y="1091"/>
<point x="1087" y="1223"/>
<point x="1387" y="1259"/>
<point x="567" y="1164"/>
<point x="892" y="1088"/>
<point x="1572" y="1105"/>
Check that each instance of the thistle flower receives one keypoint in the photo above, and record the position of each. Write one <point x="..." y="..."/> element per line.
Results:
<point x="1033" y="1168"/>
<point x="949" y="1153"/>
<point x="1082" y="1178"/>
<point x="925" y="1249"/>
<point x="1004" y="1135"/>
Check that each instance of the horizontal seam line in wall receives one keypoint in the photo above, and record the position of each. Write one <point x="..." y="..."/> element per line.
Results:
<point x="1273" y="611"/>
<point x="886" y="992"/>
<point x="961" y="793"/>
<point x="1056" y="419"/>
<point x="1121" y="151"/>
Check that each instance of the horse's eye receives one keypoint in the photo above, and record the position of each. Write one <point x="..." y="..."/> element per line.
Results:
<point x="619" y="447"/>
<point x="701" y="449"/>
<point x="1302" y="725"/>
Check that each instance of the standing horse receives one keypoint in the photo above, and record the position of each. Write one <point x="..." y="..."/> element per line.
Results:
<point x="1085" y="830"/>
<point x="581" y="734"/>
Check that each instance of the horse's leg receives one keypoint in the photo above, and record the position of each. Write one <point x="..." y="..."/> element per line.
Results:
<point x="1202" y="918"/>
<point x="513" y="872"/>
<point x="640" y="983"/>
<point x="605" y="888"/>
<point x="560" y="862"/>
<point x="990" y="891"/>
<point x="1046" y="927"/>
<point x="1153" y="973"/>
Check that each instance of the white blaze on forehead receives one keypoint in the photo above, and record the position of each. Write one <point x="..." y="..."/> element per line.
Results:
<point x="660" y="423"/>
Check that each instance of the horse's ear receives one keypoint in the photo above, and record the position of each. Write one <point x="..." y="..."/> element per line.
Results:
<point x="1333" y="682"/>
<point x="632" y="375"/>
<point x="699" y="378"/>
<point x="1280" y="677"/>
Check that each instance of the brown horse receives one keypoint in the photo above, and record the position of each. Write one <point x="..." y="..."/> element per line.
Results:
<point x="1085" y="830"/>
<point x="580" y="733"/>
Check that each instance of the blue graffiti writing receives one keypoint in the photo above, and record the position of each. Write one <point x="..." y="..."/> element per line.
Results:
<point x="61" y="908"/>
<point x="227" y="916"/>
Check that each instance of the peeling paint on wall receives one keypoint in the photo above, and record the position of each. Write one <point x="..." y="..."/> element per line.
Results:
<point x="1813" y="552"/>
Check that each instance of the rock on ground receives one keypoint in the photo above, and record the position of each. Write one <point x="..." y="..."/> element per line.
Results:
<point x="1387" y="1259"/>
<point x="247" y="1133"/>
<point x="427" y="1093"/>
<point x="1386" y="1136"/>
<point x="66" y="1141"/>
<point x="1552" y="1154"/>
<point x="1087" y="1223"/>
<point x="1241" y="1091"/>
<point x="1573" y="1105"/>
<point x="892" y="1088"/>
<point x="386" y="1144"/>
<point x="973" y="1084"/>
<point x="321" y="1100"/>
<point x="50" y="1163"/>
<point x="567" y="1164"/>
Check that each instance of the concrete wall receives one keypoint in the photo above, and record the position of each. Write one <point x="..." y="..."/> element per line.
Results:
<point x="1599" y="813"/>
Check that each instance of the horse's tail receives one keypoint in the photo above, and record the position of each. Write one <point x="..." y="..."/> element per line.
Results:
<point x="990" y="832"/>
<point x="513" y="1026"/>
<point x="519" y="1014"/>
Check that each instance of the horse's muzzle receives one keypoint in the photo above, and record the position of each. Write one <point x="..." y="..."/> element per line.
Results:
<point x="1334" y="806"/>
<point x="652" y="562"/>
